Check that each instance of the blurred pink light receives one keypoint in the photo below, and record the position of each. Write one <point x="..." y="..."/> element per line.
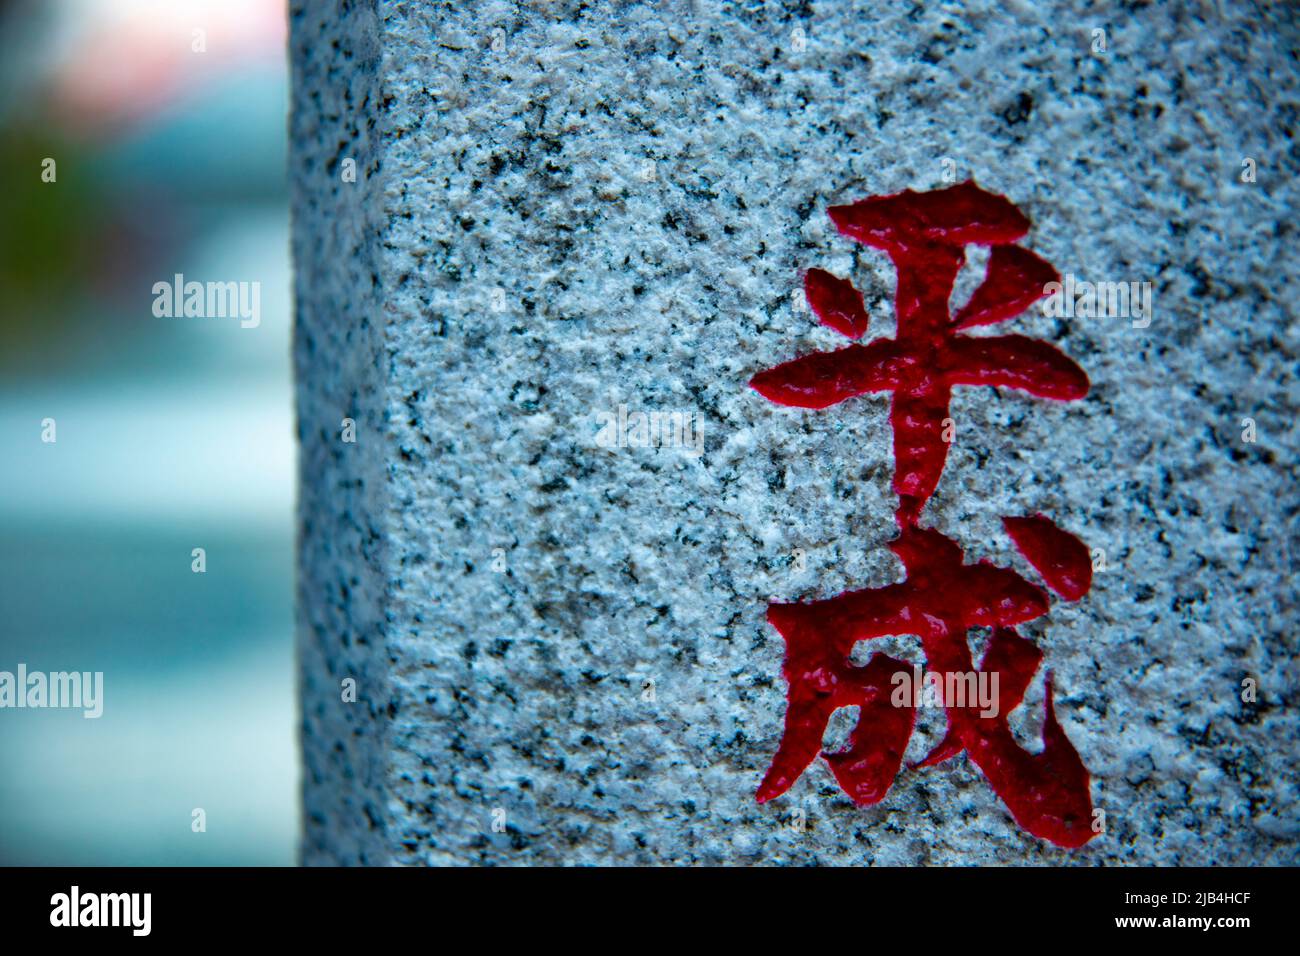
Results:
<point x="123" y="61"/>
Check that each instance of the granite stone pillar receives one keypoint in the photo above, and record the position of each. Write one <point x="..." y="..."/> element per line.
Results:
<point x="517" y="226"/>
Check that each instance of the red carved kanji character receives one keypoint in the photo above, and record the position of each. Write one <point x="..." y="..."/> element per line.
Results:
<point x="925" y="234"/>
<point x="941" y="597"/>
<point x="939" y="600"/>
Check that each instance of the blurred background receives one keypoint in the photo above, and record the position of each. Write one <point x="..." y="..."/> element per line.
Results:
<point x="166" y="122"/>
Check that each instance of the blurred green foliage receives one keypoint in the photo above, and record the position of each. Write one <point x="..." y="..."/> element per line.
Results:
<point x="52" y="239"/>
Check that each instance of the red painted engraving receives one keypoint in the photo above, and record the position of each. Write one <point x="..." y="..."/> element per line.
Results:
<point x="941" y="597"/>
<point x="1060" y="557"/>
<point x="836" y="302"/>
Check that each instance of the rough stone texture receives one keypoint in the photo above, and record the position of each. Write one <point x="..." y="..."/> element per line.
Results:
<point x="514" y="161"/>
<point x="340" y="364"/>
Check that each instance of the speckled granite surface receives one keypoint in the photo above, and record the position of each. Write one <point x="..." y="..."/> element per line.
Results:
<point x="560" y="647"/>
